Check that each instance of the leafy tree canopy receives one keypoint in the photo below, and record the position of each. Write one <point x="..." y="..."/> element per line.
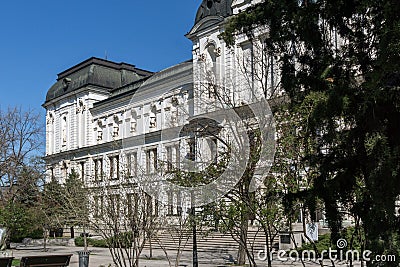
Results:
<point x="341" y="59"/>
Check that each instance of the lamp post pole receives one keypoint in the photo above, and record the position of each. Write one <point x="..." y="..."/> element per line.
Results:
<point x="195" y="258"/>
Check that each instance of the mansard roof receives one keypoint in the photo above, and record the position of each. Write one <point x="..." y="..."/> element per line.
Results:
<point x="207" y="8"/>
<point x="98" y="72"/>
<point x="179" y="75"/>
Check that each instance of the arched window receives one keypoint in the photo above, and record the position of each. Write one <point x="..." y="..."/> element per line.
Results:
<point x="211" y="70"/>
<point x="64" y="131"/>
<point x="153" y="117"/>
<point x="50" y="132"/>
<point x="133" y="123"/>
<point x="80" y="111"/>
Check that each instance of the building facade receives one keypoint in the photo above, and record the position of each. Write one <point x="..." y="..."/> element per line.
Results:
<point x="90" y="115"/>
<point x="109" y="122"/>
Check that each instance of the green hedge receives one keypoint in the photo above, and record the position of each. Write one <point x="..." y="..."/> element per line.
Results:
<point x="324" y="241"/>
<point x="19" y="234"/>
<point x="121" y="240"/>
<point x="100" y="243"/>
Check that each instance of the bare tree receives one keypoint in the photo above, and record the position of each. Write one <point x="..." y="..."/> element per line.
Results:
<point x="126" y="218"/>
<point x="254" y="80"/>
<point x="20" y="137"/>
<point x="175" y="229"/>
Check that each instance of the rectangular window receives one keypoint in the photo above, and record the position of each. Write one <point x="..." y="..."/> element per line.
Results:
<point x="151" y="161"/>
<point x="152" y="206"/>
<point x="214" y="150"/>
<point x="65" y="170"/>
<point x="156" y="208"/>
<point x="177" y="156"/>
<point x="82" y="170"/>
<point x="98" y="208"/>
<point x="179" y="205"/>
<point x="174" y="204"/>
<point x="170" y="203"/>
<point x="114" y="167"/>
<point x="98" y="169"/>
<point x="132" y="164"/>
<point x="114" y="205"/>
<point x="172" y="157"/>
<point x="133" y="205"/>
<point x="52" y="173"/>
<point x="192" y="149"/>
<point x="169" y="159"/>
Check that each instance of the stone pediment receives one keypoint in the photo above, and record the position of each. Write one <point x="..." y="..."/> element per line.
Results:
<point x="204" y="24"/>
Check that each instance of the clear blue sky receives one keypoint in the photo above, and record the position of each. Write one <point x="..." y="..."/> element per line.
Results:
<point x="39" y="39"/>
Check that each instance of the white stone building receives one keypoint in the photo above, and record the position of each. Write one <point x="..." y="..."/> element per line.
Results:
<point x="90" y="115"/>
<point x="106" y="120"/>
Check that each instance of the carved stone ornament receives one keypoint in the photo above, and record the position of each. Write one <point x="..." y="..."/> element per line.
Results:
<point x="203" y="57"/>
<point x="153" y="117"/>
<point x="99" y="134"/>
<point x="218" y="51"/>
<point x="133" y="125"/>
<point x="174" y="101"/>
<point x="80" y="107"/>
<point x="50" y="119"/>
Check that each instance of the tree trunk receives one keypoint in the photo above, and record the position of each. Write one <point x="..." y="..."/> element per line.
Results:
<point x="85" y="245"/>
<point x="151" y="248"/>
<point x="268" y="245"/>
<point x="44" y="239"/>
<point x="244" y="225"/>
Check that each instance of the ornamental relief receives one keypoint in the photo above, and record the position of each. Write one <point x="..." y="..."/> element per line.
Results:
<point x="80" y="106"/>
<point x="50" y="118"/>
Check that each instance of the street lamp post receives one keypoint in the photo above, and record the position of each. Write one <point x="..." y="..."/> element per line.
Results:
<point x="195" y="258"/>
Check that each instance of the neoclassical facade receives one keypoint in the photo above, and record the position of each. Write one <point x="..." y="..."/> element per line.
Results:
<point x="89" y="110"/>
<point x="107" y="120"/>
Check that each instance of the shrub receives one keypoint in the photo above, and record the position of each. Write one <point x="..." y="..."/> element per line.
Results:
<point x="101" y="243"/>
<point x="121" y="240"/>
<point x="324" y="241"/>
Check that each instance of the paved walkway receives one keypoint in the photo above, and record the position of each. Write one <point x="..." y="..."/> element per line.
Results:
<point x="102" y="257"/>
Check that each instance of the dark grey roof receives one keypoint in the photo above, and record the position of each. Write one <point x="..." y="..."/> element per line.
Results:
<point x="214" y="8"/>
<point x="97" y="72"/>
<point x="163" y="77"/>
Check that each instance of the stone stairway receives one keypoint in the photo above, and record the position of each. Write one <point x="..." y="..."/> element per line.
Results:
<point x="207" y="241"/>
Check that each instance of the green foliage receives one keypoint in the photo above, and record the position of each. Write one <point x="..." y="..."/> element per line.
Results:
<point x="122" y="240"/>
<point x="21" y="214"/>
<point x="76" y="198"/>
<point x="101" y="243"/>
<point x="204" y="177"/>
<point x="323" y="243"/>
<point x="349" y="84"/>
<point x="16" y="262"/>
<point x="66" y="204"/>
<point x="52" y="204"/>
<point x="21" y="222"/>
